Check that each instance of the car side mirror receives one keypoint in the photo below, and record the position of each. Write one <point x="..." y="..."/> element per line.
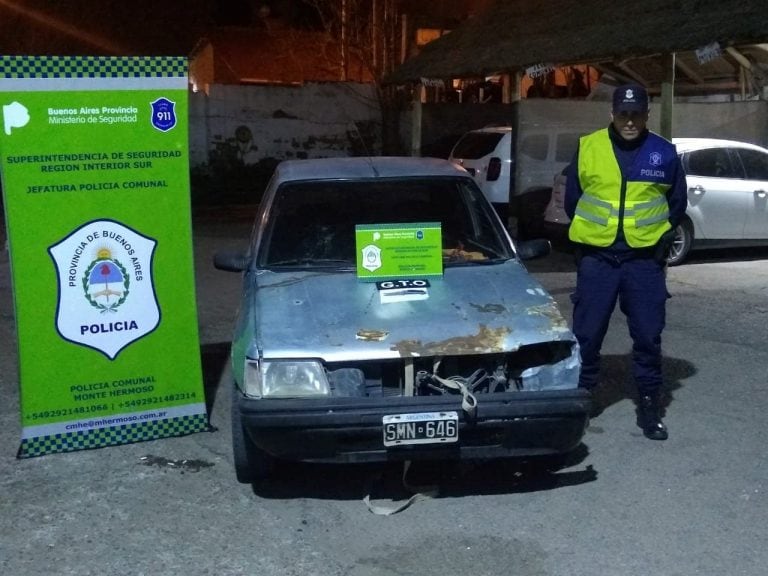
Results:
<point x="531" y="249"/>
<point x="230" y="261"/>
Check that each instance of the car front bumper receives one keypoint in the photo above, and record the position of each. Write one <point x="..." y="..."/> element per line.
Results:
<point x="513" y="424"/>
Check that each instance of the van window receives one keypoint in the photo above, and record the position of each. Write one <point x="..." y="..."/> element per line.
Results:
<point x="535" y="146"/>
<point x="565" y="146"/>
<point x="474" y="145"/>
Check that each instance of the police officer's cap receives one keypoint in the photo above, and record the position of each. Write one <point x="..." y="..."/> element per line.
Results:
<point x="630" y="98"/>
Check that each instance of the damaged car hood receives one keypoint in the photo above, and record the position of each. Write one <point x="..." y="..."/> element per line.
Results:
<point x="469" y="310"/>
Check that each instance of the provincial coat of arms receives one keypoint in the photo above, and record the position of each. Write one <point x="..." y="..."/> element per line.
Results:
<point x="103" y="272"/>
<point x="106" y="291"/>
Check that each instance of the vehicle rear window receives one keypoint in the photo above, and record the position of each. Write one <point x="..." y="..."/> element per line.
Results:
<point x="316" y="220"/>
<point x="475" y="145"/>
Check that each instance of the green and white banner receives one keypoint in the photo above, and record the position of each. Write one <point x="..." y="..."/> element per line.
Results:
<point x="95" y="173"/>
<point x="392" y="251"/>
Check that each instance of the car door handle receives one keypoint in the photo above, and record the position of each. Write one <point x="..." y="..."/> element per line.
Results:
<point x="698" y="190"/>
<point x="761" y="193"/>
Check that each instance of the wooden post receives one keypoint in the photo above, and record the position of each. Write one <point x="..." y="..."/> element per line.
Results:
<point x="511" y="87"/>
<point x="416" y="121"/>
<point x="666" y="127"/>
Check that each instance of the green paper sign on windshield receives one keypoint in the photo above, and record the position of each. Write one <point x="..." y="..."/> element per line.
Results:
<point x="95" y="173"/>
<point x="392" y="251"/>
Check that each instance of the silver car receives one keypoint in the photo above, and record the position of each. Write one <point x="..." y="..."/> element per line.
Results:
<point x="469" y="358"/>
<point x="727" y="195"/>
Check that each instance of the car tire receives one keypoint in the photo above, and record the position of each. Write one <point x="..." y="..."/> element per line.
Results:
<point x="251" y="462"/>
<point x="681" y="244"/>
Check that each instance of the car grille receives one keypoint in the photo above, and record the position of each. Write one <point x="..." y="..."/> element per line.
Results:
<point x="481" y="373"/>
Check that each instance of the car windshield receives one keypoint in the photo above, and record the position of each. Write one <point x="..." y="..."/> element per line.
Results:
<point x="312" y="223"/>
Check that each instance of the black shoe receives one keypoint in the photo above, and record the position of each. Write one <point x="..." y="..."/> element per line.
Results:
<point x="649" y="417"/>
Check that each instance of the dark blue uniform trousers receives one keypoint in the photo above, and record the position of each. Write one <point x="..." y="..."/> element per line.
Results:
<point x="639" y="285"/>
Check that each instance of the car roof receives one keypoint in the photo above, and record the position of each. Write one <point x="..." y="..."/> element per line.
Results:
<point x="364" y="167"/>
<point x="687" y="144"/>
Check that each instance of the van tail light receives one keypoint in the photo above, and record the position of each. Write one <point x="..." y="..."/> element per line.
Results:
<point x="494" y="169"/>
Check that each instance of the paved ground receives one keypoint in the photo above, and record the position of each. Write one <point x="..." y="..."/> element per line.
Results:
<point x="624" y="506"/>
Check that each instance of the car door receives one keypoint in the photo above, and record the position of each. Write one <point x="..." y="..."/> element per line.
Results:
<point x="755" y="163"/>
<point x="717" y="199"/>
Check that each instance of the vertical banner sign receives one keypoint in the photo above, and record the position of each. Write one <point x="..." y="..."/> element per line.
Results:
<point x="95" y="172"/>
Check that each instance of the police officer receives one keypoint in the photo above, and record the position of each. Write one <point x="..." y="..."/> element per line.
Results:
<point x="625" y="195"/>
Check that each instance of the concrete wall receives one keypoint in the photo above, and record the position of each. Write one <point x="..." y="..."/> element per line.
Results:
<point x="259" y="122"/>
<point x="239" y="133"/>
<point x="744" y="121"/>
<point x="254" y="123"/>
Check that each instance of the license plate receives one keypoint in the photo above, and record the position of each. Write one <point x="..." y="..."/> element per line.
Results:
<point x="421" y="428"/>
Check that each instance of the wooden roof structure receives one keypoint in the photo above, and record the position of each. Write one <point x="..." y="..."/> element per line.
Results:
<point x="628" y="40"/>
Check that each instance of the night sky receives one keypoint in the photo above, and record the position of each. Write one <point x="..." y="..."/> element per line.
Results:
<point x="105" y="27"/>
<point x="165" y="27"/>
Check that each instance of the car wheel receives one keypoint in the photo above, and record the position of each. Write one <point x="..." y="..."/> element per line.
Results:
<point x="681" y="244"/>
<point x="251" y="462"/>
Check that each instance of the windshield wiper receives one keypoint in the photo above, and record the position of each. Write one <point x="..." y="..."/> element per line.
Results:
<point x="484" y="248"/>
<point x="312" y="262"/>
<point x="484" y="262"/>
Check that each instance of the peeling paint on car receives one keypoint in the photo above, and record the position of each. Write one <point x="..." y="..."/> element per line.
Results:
<point x="486" y="341"/>
<point x="372" y="335"/>
<point x="551" y="312"/>
<point x="489" y="308"/>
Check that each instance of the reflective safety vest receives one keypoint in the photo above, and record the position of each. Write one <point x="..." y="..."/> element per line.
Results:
<point x="635" y="197"/>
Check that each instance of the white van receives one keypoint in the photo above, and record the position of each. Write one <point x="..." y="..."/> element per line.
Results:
<point x="486" y="154"/>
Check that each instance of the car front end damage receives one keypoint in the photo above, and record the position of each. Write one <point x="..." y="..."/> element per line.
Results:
<point x="439" y="424"/>
<point x="339" y="374"/>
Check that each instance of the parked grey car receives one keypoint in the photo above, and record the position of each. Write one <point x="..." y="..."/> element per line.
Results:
<point x="472" y="360"/>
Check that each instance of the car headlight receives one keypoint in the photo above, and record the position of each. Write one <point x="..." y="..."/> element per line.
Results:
<point x="285" y="379"/>
<point x="562" y="375"/>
